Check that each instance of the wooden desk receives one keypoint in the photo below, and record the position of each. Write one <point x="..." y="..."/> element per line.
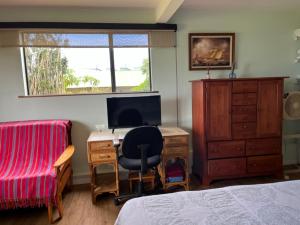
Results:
<point x="100" y="150"/>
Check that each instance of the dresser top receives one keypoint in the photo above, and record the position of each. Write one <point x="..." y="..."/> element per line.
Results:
<point x="239" y="79"/>
<point x="107" y="135"/>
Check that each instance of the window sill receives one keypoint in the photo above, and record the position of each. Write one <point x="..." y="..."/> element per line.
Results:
<point x="88" y="94"/>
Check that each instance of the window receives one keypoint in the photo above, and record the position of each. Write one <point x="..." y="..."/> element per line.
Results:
<point x="58" y="63"/>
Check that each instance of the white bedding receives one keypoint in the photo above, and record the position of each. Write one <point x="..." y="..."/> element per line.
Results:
<point x="264" y="204"/>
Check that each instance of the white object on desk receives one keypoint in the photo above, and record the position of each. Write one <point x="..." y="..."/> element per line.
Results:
<point x="100" y="127"/>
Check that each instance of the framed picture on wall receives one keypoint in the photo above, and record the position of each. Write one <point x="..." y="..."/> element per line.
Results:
<point x="213" y="51"/>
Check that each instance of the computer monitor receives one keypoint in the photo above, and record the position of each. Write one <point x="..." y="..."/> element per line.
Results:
<point x="126" y="112"/>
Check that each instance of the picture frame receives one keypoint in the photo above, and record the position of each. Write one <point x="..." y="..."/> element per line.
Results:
<point x="211" y="51"/>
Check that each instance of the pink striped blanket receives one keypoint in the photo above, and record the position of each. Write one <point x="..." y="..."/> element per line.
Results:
<point x="28" y="150"/>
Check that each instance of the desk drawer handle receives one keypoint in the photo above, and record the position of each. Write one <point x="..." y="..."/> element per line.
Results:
<point x="103" y="156"/>
<point x="106" y="145"/>
<point x="173" y="139"/>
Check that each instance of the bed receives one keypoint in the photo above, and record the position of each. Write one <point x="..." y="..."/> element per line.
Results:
<point x="263" y="204"/>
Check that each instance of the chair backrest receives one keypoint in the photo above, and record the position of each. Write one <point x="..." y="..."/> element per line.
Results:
<point x="145" y="135"/>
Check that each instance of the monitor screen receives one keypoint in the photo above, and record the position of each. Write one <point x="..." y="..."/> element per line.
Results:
<point x="125" y="112"/>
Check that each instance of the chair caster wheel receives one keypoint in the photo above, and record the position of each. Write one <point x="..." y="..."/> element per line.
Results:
<point x="116" y="202"/>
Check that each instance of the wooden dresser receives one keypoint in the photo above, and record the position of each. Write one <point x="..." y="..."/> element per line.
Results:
<point x="237" y="127"/>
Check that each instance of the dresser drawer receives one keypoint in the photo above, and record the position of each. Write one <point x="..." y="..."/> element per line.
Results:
<point x="96" y="146"/>
<point x="244" y="86"/>
<point x="262" y="164"/>
<point x="244" y="113"/>
<point x="175" y="141"/>
<point x="226" y="167"/>
<point x="181" y="150"/>
<point x="244" y="99"/>
<point x="263" y="146"/>
<point x="99" y="157"/>
<point x="226" y="149"/>
<point x="244" y="130"/>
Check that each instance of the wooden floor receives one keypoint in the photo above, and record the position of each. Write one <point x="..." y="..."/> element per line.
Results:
<point x="79" y="209"/>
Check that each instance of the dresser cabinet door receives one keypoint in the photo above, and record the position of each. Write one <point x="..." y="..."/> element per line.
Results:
<point x="218" y="110"/>
<point x="269" y="116"/>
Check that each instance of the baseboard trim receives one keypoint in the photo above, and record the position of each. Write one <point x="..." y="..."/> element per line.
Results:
<point x="81" y="179"/>
<point x="85" y="178"/>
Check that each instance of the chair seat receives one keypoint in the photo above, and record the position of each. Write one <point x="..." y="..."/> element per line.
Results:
<point x="135" y="164"/>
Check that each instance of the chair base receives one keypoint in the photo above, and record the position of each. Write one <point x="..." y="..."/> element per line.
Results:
<point x="141" y="192"/>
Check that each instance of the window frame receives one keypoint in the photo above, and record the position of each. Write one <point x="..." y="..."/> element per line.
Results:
<point x="111" y="48"/>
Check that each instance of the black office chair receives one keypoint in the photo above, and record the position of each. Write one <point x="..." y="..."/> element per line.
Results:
<point x="141" y="149"/>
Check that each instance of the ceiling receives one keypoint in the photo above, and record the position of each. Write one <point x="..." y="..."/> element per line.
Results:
<point x="152" y="4"/>
<point x="162" y="10"/>
<point x="83" y="3"/>
<point x="239" y="4"/>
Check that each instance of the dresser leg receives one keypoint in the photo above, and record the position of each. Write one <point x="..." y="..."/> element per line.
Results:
<point x="205" y="181"/>
<point x="279" y="175"/>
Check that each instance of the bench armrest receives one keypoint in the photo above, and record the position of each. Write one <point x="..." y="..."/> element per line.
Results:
<point x="65" y="156"/>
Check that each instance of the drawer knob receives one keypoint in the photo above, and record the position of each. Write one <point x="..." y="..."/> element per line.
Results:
<point x="245" y="126"/>
<point x="104" y="156"/>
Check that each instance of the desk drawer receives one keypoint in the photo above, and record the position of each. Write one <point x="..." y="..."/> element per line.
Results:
<point x="226" y="149"/>
<point x="175" y="141"/>
<point x="244" y="99"/>
<point x="96" y="146"/>
<point x="263" y="146"/>
<point x="182" y="150"/>
<point x="244" y="86"/>
<point x="226" y="167"/>
<point x="99" y="157"/>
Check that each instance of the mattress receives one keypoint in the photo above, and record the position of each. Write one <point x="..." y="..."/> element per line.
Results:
<point x="263" y="204"/>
